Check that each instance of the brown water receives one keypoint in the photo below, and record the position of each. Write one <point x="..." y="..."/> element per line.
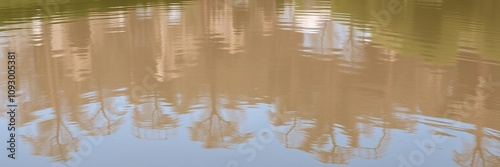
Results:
<point x="214" y="83"/>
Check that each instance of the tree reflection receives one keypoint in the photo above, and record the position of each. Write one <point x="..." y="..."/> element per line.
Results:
<point x="215" y="131"/>
<point x="216" y="60"/>
<point x="102" y="117"/>
<point x="151" y="121"/>
<point x="478" y="153"/>
<point x="473" y="109"/>
<point x="321" y="113"/>
<point x="212" y="128"/>
<point x="53" y="138"/>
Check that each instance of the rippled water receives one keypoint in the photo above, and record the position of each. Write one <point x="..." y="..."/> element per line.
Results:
<point x="253" y="82"/>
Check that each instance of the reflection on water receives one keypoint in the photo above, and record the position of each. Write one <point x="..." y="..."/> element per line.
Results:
<point x="161" y="81"/>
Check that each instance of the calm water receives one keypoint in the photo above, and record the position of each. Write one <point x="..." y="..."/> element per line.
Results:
<point x="221" y="83"/>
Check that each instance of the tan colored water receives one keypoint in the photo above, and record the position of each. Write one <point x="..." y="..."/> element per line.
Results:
<point x="212" y="83"/>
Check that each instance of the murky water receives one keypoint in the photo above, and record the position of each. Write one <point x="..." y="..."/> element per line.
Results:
<point x="231" y="83"/>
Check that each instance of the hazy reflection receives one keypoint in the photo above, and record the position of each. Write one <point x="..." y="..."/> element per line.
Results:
<point x="151" y="121"/>
<point x="53" y="137"/>
<point x="334" y="81"/>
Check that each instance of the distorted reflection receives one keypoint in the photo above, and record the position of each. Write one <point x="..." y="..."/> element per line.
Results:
<point x="207" y="75"/>
<point x="151" y="121"/>
<point x="52" y="137"/>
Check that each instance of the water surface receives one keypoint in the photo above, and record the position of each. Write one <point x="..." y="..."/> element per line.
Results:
<point x="254" y="82"/>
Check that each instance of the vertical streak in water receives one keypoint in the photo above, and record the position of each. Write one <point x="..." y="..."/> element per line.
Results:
<point x="323" y="36"/>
